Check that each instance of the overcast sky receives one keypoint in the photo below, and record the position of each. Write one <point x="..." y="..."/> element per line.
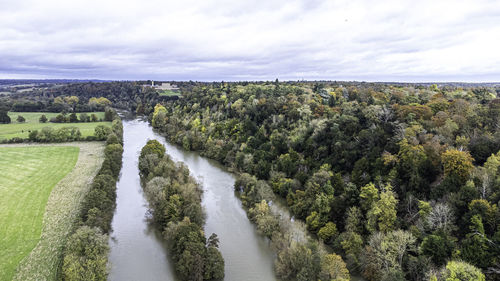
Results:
<point x="251" y="40"/>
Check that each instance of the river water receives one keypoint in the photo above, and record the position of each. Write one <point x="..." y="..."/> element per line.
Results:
<point x="138" y="252"/>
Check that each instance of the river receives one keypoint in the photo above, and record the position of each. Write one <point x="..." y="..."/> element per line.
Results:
<point x="137" y="250"/>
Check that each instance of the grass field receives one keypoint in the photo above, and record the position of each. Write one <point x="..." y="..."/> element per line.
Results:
<point x="28" y="176"/>
<point x="169" y="93"/>
<point x="37" y="208"/>
<point x="21" y="130"/>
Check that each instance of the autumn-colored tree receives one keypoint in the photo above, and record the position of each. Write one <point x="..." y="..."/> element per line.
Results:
<point x="333" y="268"/>
<point x="457" y="165"/>
<point x="159" y="115"/>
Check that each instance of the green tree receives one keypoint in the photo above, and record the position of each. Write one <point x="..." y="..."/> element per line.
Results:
<point x="159" y="115"/>
<point x="101" y="132"/>
<point x="438" y="246"/>
<point x="153" y="147"/>
<point x="328" y="231"/>
<point x="368" y="196"/>
<point x="382" y="215"/>
<point x="457" y="165"/>
<point x="43" y="119"/>
<point x="4" y="117"/>
<point x="459" y="271"/>
<point x="333" y="268"/>
<point x="86" y="255"/>
<point x="84" y="117"/>
<point x="20" y="119"/>
<point x="73" y="118"/>
<point x="475" y="247"/>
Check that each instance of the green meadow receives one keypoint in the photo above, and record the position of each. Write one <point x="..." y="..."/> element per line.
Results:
<point x="168" y="93"/>
<point x="21" y="130"/>
<point x="29" y="174"/>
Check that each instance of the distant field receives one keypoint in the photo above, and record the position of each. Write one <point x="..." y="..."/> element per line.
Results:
<point x="21" y="130"/>
<point x="28" y="176"/>
<point x="169" y="93"/>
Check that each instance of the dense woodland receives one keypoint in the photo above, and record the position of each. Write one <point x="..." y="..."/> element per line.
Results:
<point x="402" y="181"/>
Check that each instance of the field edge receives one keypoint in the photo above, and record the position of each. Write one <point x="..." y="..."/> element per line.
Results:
<point x="61" y="211"/>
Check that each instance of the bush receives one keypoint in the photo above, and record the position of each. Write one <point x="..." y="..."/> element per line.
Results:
<point x="73" y="118"/>
<point x="84" y="117"/>
<point x="20" y="119"/>
<point x="43" y="119"/>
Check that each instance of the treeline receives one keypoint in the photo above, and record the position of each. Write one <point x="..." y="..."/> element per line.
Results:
<point x="175" y="201"/>
<point x="400" y="180"/>
<point x="296" y="259"/>
<point x="86" y="251"/>
<point x="85" y="97"/>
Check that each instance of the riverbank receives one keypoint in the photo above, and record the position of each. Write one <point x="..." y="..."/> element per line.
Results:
<point x="246" y="253"/>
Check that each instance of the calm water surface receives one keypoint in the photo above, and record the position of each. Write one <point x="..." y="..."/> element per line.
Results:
<point x="137" y="251"/>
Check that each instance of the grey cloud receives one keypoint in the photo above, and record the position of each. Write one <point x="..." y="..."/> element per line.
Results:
<point x="234" y="40"/>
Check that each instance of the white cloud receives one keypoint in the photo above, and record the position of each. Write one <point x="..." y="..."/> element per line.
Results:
<point x="231" y="40"/>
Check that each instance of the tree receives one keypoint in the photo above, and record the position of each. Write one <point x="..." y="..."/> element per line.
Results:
<point x="352" y="244"/>
<point x="101" y="132"/>
<point x="457" y="165"/>
<point x="385" y="252"/>
<point x="368" y="196"/>
<point x="333" y="268"/>
<point x="438" y="246"/>
<point x="214" y="268"/>
<point x="4" y="117"/>
<point x="475" y="246"/>
<point x="43" y="119"/>
<point x="84" y="117"/>
<point x="441" y="217"/>
<point x="383" y="213"/>
<point x="261" y="215"/>
<point x="86" y="255"/>
<point x="20" y="119"/>
<point x="459" y="271"/>
<point x="109" y="114"/>
<point x="296" y="262"/>
<point x="73" y="118"/>
<point x="328" y="231"/>
<point x="159" y="115"/>
<point x="153" y="147"/>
